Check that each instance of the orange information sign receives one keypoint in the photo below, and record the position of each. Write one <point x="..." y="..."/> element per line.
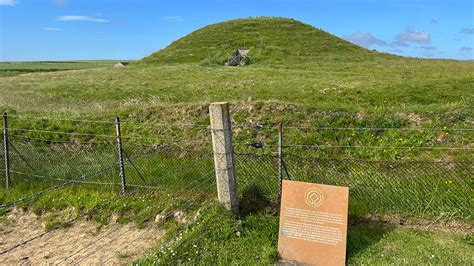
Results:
<point x="313" y="223"/>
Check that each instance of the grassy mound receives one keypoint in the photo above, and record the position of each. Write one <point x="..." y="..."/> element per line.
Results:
<point x="271" y="40"/>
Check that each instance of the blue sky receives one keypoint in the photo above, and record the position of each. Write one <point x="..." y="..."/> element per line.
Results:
<point x="132" y="29"/>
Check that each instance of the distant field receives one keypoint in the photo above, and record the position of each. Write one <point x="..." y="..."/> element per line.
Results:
<point x="16" y="68"/>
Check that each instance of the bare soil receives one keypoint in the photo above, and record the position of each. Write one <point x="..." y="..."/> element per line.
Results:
<point x="81" y="243"/>
<point x="447" y="226"/>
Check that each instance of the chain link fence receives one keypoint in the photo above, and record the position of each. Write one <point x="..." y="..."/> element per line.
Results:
<point x="430" y="189"/>
<point x="426" y="189"/>
<point x="38" y="166"/>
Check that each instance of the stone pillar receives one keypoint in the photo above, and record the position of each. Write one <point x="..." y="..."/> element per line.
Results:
<point x="221" y="128"/>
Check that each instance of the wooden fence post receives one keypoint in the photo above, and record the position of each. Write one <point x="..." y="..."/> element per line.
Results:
<point x="221" y="128"/>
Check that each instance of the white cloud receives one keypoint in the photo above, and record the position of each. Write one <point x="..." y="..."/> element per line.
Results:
<point x="52" y="29"/>
<point x="173" y="18"/>
<point x="364" y="39"/>
<point x="8" y="2"/>
<point x="82" y="19"/>
<point x="467" y="31"/>
<point x="412" y="35"/>
<point x="399" y="44"/>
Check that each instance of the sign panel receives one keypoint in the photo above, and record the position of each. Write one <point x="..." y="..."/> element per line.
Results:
<point x="313" y="223"/>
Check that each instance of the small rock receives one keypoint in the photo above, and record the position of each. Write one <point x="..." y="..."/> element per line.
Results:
<point x="180" y="217"/>
<point x="160" y="218"/>
<point x="178" y="214"/>
<point x="114" y="218"/>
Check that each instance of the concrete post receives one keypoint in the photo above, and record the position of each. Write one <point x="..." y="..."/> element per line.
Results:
<point x="120" y="155"/>
<point x="280" y="160"/>
<point x="221" y="128"/>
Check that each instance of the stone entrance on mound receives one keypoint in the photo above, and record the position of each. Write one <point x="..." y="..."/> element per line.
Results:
<point x="238" y="58"/>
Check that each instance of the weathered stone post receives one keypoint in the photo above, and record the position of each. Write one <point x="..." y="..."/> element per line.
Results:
<point x="221" y="128"/>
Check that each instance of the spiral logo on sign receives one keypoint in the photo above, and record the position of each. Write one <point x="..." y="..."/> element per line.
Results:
<point x="313" y="197"/>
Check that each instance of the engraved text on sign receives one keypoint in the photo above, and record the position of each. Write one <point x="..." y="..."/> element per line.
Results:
<point x="313" y="223"/>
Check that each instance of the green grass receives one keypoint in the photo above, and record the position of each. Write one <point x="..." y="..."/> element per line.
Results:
<point x="252" y="240"/>
<point x="17" y="68"/>
<point x="436" y="96"/>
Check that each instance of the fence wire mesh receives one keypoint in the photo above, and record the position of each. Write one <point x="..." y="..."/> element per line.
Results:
<point x="425" y="189"/>
<point x="39" y="165"/>
<point x="406" y="187"/>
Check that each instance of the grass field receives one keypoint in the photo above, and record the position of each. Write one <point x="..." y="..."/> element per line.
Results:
<point x="17" y="68"/>
<point x="298" y="75"/>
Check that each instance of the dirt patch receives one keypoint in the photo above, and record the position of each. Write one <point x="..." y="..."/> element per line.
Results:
<point x="80" y="243"/>
<point x="448" y="226"/>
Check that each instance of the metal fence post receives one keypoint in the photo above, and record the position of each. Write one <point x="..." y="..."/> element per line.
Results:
<point x="120" y="155"/>
<point x="6" y="150"/>
<point x="221" y="128"/>
<point x="280" y="159"/>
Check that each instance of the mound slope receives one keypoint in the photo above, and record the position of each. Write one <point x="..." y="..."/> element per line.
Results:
<point x="271" y="40"/>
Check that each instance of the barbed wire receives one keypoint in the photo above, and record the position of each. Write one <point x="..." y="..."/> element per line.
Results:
<point x="61" y="119"/>
<point x="261" y="126"/>
<point x="236" y="125"/>
<point x="62" y="132"/>
<point x="158" y="142"/>
<point x="382" y="128"/>
<point x="75" y="134"/>
<point x="72" y="141"/>
<point x="67" y="180"/>
<point x="307" y="145"/>
<point x="111" y="121"/>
